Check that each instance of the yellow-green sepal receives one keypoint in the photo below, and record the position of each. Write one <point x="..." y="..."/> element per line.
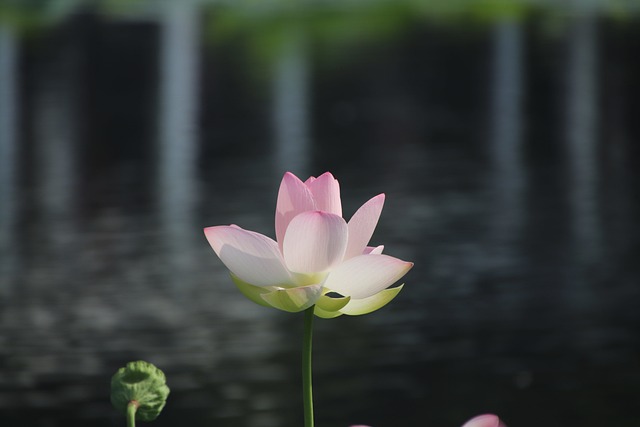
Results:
<point x="357" y="307"/>
<point x="254" y="293"/>
<point x="293" y="299"/>
<point x="329" y="307"/>
<point x="327" y="303"/>
<point x="325" y="314"/>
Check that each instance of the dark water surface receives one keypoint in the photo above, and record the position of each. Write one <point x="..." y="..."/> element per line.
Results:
<point x="508" y="153"/>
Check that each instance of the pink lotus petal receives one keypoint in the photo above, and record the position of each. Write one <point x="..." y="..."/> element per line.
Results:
<point x="486" y="420"/>
<point x="252" y="257"/>
<point x="315" y="241"/>
<point x="309" y="180"/>
<point x="362" y="225"/>
<point x="366" y="275"/>
<point x="326" y="193"/>
<point x="377" y="250"/>
<point x="294" y="197"/>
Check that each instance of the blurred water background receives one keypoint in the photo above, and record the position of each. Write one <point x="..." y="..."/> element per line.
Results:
<point x="504" y="133"/>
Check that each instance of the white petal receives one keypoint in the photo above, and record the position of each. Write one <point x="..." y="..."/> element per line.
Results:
<point x="315" y="241"/>
<point x="252" y="257"/>
<point x="294" y="197"/>
<point x="326" y="193"/>
<point x="366" y="275"/>
<point x="357" y="307"/>
<point x="362" y="224"/>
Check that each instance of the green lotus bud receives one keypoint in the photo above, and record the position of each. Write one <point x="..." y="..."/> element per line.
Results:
<point x="139" y="388"/>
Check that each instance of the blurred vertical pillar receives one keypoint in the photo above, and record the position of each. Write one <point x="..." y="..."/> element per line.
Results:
<point x="507" y="179"/>
<point x="583" y="165"/>
<point x="581" y="137"/>
<point x="56" y="118"/>
<point x="8" y="153"/>
<point x="177" y="121"/>
<point x="291" y="82"/>
<point x="618" y="197"/>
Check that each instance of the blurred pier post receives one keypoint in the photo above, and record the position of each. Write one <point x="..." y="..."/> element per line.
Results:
<point x="55" y="140"/>
<point x="507" y="180"/>
<point x="291" y="93"/>
<point x="586" y="266"/>
<point x="582" y="135"/>
<point x="177" y="122"/>
<point x="56" y="131"/>
<point x="9" y="84"/>
<point x="56" y="108"/>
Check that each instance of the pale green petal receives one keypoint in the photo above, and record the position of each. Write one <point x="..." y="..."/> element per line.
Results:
<point x="294" y="299"/>
<point x="325" y="314"/>
<point x="327" y="303"/>
<point x="250" y="291"/>
<point x="356" y="307"/>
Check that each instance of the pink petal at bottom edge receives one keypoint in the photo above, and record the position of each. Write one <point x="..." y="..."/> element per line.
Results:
<point x="486" y="420"/>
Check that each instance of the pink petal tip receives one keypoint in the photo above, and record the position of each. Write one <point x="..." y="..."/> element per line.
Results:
<point x="486" y="420"/>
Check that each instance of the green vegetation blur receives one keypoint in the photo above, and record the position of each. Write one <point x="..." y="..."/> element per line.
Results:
<point x="260" y="28"/>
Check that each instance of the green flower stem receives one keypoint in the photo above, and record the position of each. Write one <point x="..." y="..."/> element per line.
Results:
<point x="307" y="392"/>
<point x="131" y="413"/>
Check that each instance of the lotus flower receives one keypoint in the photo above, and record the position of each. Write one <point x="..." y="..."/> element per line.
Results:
<point x="317" y="257"/>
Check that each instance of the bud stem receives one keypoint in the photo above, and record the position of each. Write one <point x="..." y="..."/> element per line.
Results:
<point x="131" y="413"/>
